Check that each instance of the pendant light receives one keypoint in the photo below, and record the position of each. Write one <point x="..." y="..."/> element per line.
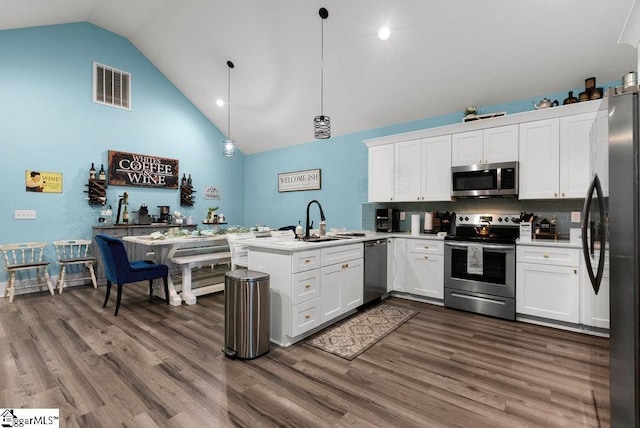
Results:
<point x="229" y="148"/>
<point x="322" y="123"/>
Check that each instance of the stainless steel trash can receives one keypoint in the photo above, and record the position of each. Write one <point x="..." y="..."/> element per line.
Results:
<point x="246" y="314"/>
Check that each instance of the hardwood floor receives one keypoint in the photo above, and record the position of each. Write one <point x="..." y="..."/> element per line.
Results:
<point x="157" y="365"/>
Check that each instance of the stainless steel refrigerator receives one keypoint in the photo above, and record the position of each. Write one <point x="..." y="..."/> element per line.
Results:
<point x="613" y="223"/>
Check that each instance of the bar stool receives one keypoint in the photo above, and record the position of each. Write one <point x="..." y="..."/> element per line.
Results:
<point x="74" y="252"/>
<point x="24" y="257"/>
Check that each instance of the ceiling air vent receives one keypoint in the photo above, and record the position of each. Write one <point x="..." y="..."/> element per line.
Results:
<point x="111" y="86"/>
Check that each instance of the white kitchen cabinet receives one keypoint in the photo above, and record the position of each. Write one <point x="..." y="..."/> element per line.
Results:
<point x="397" y="282"/>
<point x="554" y="157"/>
<point x="574" y="154"/>
<point x="594" y="309"/>
<point x="424" y="268"/>
<point x="548" y="282"/>
<point x="539" y="159"/>
<point x="599" y="137"/>
<point x="342" y="287"/>
<point x="407" y="171"/>
<point x="381" y="173"/>
<point x="422" y="170"/>
<point x="436" y="168"/>
<point x="309" y="288"/>
<point x="499" y="144"/>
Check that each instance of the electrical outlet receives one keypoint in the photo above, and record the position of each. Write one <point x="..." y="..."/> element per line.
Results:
<point x="24" y="214"/>
<point x="575" y="216"/>
<point x="403" y="215"/>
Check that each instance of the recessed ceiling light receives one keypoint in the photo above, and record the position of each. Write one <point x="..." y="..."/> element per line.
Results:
<point x="220" y="102"/>
<point x="384" y="33"/>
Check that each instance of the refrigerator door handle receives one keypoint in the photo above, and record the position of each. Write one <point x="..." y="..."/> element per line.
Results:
<point x="586" y="250"/>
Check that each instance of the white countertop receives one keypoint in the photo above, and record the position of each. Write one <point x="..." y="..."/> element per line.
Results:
<point x="289" y="245"/>
<point x="561" y="243"/>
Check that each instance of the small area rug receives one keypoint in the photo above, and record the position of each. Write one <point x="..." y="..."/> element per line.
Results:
<point x="355" y="335"/>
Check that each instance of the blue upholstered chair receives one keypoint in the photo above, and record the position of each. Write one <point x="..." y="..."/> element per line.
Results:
<point x="118" y="269"/>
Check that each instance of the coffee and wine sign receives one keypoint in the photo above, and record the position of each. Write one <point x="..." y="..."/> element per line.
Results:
<point x="131" y="169"/>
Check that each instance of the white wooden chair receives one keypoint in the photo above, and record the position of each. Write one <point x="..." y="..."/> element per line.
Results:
<point x="239" y="251"/>
<point x="24" y="257"/>
<point x="74" y="252"/>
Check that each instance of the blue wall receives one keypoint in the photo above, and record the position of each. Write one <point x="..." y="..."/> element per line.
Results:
<point x="49" y="123"/>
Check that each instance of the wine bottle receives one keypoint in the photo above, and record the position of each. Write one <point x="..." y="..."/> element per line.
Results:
<point x="125" y="215"/>
<point x="101" y="174"/>
<point x="189" y="181"/>
<point x="92" y="171"/>
<point x="184" y="179"/>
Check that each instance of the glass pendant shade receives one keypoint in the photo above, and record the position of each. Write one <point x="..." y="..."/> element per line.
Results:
<point x="229" y="147"/>
<point x="322" y="127"/>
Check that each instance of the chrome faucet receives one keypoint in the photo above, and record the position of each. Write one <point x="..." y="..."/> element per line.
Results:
<point x="307" y="234"/>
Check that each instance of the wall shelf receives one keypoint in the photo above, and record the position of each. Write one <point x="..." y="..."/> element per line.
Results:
<point x="186" y="195"/>
<point x="97" y="191"/>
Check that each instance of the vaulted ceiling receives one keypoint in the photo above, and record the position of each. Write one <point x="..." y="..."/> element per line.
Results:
<point x="441" y="56"/>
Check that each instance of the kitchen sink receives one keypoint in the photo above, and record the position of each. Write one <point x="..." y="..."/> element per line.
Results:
<point x="322" y="239"/>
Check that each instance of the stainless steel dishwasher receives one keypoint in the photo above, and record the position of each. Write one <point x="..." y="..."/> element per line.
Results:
<point x="375" y="269"/>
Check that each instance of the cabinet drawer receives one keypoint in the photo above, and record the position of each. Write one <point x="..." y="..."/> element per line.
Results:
<point x="425" y="246"/>
<point x="548" y="255"/>
<point x="305" y="316"/>
<point x="116" y="233"/>
<point x="305" y="286"/>
<point x="305" y="260"/>
<point x="341" y="253"/>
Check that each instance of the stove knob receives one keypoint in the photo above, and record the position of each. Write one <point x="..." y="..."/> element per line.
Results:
<point x="466" y="219"/>
<point x="500" y="219"/>
<point x="506" y="219"/>
<point x="460" y="218"/>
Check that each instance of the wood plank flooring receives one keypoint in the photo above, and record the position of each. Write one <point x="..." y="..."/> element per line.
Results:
<point x="161" y="366"/>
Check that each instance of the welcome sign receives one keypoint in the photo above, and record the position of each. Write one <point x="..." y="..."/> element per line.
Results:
<point x="131" y="169"/>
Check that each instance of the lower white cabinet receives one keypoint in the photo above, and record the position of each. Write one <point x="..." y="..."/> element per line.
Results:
<point x="396" y="277"/>
<point x="594" y="309"/>
<point x="309" y="288"/>
<point x="342" y="288"/>
<point x="548" y="282"/>
<point x="424" y="268"/>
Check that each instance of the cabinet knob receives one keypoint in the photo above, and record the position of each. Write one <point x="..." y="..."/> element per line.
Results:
<point x="563" y="194"/>
<point x="546" y="256"/>
<point x="575" y="271"/>
<point x="426" y="257"/>
<point x="555" y="195"/>
<point x="307" y="286"/>
<point x="307" y="316"/>
<point x="426" y="247"/>
<point x="307" y="261"/>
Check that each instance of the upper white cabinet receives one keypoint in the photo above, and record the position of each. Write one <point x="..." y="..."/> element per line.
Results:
<point x="554" y="157"/>
<point x="422" y="170"/>
<point x="600" y="149"/>
<point x="499" y="144"/>
<point x="539" y="159"/>
<point x="407" y="171"/>
<point x="381" y="173"/>
<point x="575" y="171"/>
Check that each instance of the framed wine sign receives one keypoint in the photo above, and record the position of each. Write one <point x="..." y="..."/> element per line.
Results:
<point x="131" y="169"/>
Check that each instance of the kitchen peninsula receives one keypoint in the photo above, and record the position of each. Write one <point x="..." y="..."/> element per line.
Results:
<point x="313" y="284"/>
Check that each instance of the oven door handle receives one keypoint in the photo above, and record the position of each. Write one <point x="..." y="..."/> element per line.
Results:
<point x="495" y="247"/>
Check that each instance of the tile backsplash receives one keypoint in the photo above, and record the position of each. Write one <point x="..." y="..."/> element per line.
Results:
<point x="542" y="209"/>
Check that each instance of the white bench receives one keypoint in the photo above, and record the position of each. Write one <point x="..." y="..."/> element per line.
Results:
<point x="191" y="261"/>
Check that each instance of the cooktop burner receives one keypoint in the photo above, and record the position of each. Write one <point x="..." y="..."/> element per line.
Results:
<point x="486" y="228"/>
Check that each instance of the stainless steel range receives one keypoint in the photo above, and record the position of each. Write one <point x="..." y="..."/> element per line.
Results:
<point x="480" y="264"/>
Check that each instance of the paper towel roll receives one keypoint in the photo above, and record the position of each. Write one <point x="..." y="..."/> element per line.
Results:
<point x="428" y="222"/>
<point x="415" y="224"/>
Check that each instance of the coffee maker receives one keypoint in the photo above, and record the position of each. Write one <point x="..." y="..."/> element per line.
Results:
<point x="387" y="220"/>
<point x="165" y="213"/>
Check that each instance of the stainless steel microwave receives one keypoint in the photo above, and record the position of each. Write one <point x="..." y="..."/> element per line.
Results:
<point x="485" y="180"/>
